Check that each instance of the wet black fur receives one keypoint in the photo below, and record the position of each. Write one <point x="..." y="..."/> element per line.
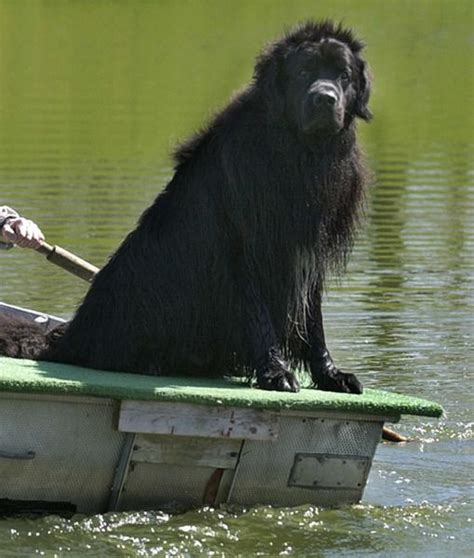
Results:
<point x="234" y="252"/>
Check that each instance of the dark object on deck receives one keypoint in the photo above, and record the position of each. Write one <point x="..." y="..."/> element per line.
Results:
<point x="225" y="270"/>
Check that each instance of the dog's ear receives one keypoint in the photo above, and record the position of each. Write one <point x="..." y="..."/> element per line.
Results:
<point x="268" y="78"/>
<point x="363" y="91"/>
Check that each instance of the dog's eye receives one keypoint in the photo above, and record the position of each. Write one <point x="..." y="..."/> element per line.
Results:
<point x="303" y="73"/>
<point x="345" y="76"/>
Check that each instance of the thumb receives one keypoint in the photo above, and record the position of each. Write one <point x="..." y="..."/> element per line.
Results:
<point x="8" y="233"/>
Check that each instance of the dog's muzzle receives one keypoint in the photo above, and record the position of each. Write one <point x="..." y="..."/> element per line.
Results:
<point x="325" y="95"/>
<point x="323" y="108"/>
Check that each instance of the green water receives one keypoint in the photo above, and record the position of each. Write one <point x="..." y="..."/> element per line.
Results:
<point x="93" y="96"/>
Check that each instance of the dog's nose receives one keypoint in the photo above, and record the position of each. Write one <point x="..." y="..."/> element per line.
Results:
<point x="324" y="99"/>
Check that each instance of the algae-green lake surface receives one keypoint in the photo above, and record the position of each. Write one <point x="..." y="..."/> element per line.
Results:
<point x="93" y="97"/>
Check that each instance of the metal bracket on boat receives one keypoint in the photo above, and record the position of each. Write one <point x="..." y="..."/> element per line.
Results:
<point x="17" y="455"/>
<point x="316" y="471"/>
<point x="121" y="472"/>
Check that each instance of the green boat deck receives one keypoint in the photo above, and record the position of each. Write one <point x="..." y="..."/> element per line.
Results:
<point x="26" y="376"/>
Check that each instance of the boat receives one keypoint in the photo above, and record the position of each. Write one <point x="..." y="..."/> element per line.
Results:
<point x="76" y="440"/>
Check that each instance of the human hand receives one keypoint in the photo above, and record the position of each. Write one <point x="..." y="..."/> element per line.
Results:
<point x="22" y="232"/>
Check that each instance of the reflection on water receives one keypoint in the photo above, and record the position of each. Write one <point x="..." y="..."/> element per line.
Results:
<point x="93" y="96"/>
<point x="409" y="530"/>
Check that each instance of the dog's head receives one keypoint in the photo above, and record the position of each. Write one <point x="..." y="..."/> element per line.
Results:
<point x="316" y="78"/>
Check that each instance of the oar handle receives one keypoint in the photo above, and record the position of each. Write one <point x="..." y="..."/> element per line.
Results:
<point x="68" y="261"/>
<point x="392" y="436"/>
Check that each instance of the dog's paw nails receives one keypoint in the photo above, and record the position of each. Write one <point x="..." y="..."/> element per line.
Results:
<point x="352" y="384"/>
<point x="289" y="383"/>
<point x="294" y="384"/>
<point x="340" y="382"/>
<point x="279" y="381"/>
<point x="284" y="385"/>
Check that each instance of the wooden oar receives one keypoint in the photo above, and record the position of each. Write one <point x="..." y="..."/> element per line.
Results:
<point x="391" y="436"/>
<point x="68" y="261"/>
<point x="85" y="270"/>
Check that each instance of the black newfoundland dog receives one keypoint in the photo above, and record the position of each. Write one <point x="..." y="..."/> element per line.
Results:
<point x="225" y="270"/>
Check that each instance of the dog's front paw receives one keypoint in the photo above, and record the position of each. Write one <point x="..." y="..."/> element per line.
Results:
<point x="338" y="381"/>
<point x="278" y="380"/>
<point x="273" y="373"/>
